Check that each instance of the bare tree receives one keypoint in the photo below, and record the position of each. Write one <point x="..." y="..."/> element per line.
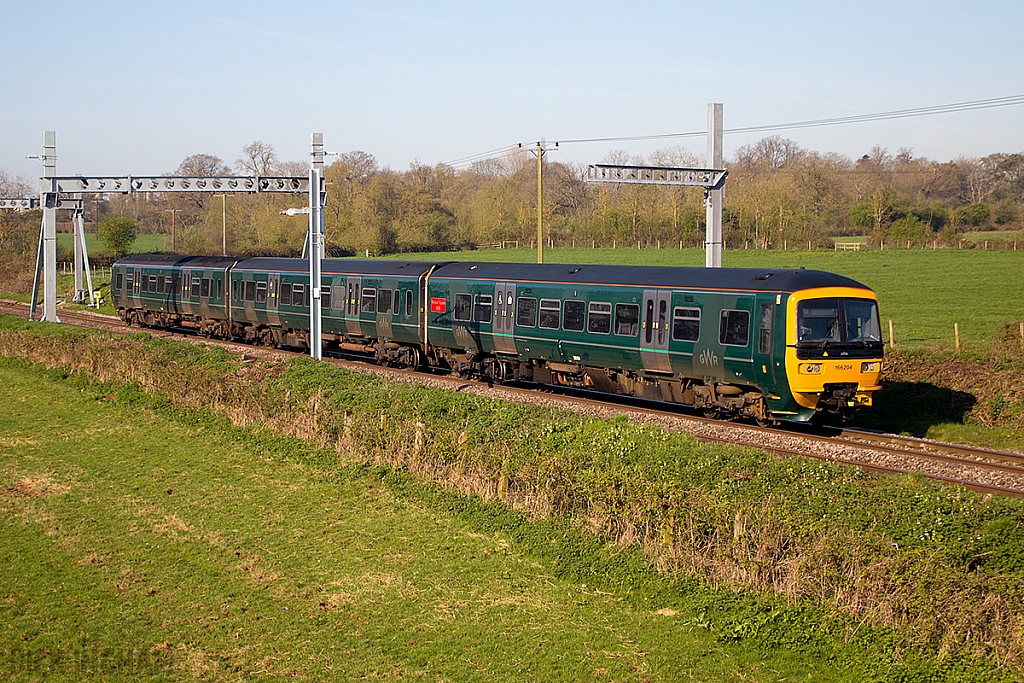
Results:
<point x="14" y="186"/>
<point x="203" y="165"/>
<point x="258" y="158"/>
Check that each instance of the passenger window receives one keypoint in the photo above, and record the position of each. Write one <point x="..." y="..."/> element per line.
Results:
<point x="574" y="315"/>
<point x="482" y="308"/>
<point x="526" y="312"/>
<point x="220" y="289"/>
<point x="550" y="313"/>
<point x="396" y="306"/>
<point x="369" y="300"/>
<point x="600" y="318"/>
<point x="627" y="319"/>
<point x="130" y="282"/>
<point x="204" y="288"/>
<point x="305" y="296"/>
<point x="261" y="292"/>
<point x="764" y="337"/>
<point x="234" y="290"/>
<point x="408" y="302"/>
<point x="734" y="327"/>
<point x="662" y="322"/>
<point x="384" y="301"/>
<point x="250" y="290"/>
<point x="463" y="306"/>
<point x="297" y="294"/>
<point x="649" y="321"/>
<point x="152" y="283"/>
<point x="325" y="298"/>
<point x="337" y="297"/>
<point x="286" y="293"/>
<point x="120" y="281"/>
<point x="686" y="324"/>
<point x="168" y="284"/>
<point x="194" y="294"/>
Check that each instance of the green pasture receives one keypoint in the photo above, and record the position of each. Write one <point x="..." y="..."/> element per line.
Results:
<point x="143" y="544"/>
<point x="923" y="291"/>
<point x="143" y="244"/>
<point x="995" y="236"/>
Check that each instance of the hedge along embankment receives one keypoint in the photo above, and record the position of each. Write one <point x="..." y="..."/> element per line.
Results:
<point x="938" y="567"/>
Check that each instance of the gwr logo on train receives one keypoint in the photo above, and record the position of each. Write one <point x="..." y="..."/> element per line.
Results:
<point x="708" y="357"/>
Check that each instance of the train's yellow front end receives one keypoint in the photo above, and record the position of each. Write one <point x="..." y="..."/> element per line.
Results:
<point x="833" y="349"/>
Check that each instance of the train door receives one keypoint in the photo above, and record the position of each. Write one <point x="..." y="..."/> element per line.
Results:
<point x="352" y="298"/>
<point x="274" y="298"/>
<point x="655" y="321"/>
<point x="137" y="284"/>
<point x="764" y="340"/>
<point x="503" y="329"/>
<point x="385" y="311"/>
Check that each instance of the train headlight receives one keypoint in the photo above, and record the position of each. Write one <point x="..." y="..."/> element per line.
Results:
<point x="811" y="368"/>
<point x="869" y="367"/>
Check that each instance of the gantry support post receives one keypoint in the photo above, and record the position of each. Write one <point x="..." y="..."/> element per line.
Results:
<point x="82" y="257"/>
<point x="48" y="199"/>
<point x="713" y="240"/>
<point x="39" y="268"/>
<point x="316" y="243"/>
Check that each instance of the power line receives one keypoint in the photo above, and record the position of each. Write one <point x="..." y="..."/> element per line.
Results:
<point x="972" y="105"/>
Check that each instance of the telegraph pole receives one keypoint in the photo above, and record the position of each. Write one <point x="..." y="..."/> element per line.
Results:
<point x="223" y="223"/>
<point x="540" y="151"/>
<point x="172" y="212"/>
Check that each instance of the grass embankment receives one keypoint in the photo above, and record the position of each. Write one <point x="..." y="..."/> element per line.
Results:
<point x="884" y="578"/>
<point x="143" y="544"/>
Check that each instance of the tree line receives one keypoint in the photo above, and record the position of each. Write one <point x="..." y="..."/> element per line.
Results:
<point x="777" y="192"/>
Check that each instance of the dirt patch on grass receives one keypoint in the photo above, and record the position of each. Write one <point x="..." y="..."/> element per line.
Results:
<point x="988" y="389"/>
<point x="33" y="487"/>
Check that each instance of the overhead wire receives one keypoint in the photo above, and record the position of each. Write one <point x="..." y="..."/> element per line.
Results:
<point x="972" y="105"/>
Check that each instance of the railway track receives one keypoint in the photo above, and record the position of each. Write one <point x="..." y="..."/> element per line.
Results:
<point x="978" y="469"/>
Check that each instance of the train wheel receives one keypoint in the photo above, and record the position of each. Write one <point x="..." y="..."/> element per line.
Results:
<point x="712" y="413"/>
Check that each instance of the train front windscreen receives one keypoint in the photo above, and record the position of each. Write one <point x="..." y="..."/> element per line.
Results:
<point x="845" y="327"/>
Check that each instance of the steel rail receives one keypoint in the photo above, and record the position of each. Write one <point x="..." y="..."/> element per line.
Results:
<point x="982" y="459"/>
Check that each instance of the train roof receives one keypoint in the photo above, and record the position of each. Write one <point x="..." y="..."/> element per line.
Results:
<point x="738" y="279"/>
<point x="387" y="267"/>
<point x="153" y="260"/>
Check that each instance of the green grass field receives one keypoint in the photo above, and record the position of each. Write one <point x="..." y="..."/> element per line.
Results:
<point x="143" y="244"/>
<point x="139" y="544"/>
<point x="923" y="291"/>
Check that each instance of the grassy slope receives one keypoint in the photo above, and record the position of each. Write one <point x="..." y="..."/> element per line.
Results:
<point x="141" y="545"/>
<point x="923" y="291"/>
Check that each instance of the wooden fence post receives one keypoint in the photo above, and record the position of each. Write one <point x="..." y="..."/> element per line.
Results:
<point x="956" y="334"/>
<point x="892" y="336"/>
<point x="418" y="445"/>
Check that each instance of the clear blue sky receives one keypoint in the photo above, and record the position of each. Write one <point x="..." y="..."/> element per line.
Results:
<point x="134" y="87"/>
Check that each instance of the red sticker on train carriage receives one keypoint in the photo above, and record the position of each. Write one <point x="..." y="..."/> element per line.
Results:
<point x="438" y="304"/>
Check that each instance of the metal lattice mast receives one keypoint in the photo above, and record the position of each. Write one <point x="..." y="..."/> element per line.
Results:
<point x="316" y="243"/>
<point x="713" y="241"/>
<point x="48" y="199"/>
